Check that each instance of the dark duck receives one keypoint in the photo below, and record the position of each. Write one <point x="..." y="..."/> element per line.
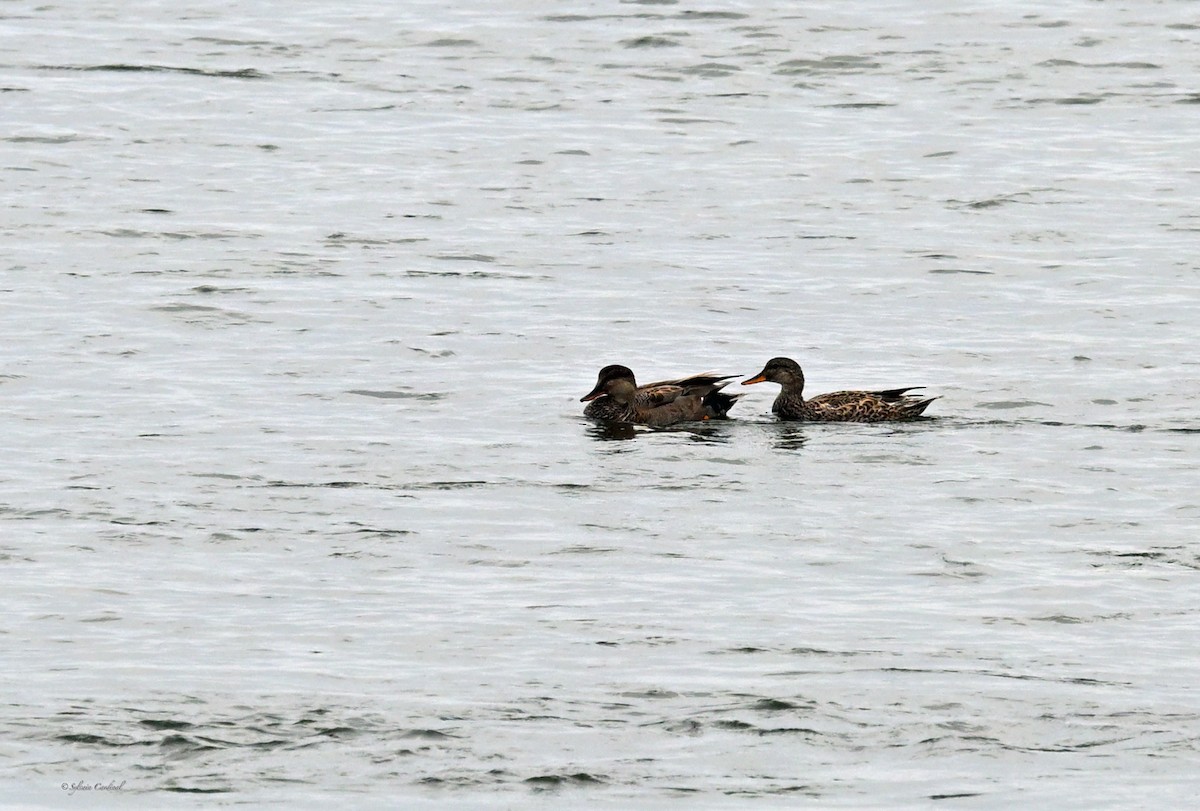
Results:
<point x="618" y="398"/>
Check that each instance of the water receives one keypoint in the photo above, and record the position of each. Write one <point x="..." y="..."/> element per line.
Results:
<point x="298" y="504"/>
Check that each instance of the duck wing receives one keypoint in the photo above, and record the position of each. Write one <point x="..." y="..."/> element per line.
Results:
<point x="657" y="395"/>
<point x="685" y="399"/>
<point x="667" y="391"/>
<point x="838" y="399"/>
<point x="867" y="406"/>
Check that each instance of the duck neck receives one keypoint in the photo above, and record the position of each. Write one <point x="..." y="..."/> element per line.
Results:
<point x="622" y="391"/>
<point x="793" y="387"/>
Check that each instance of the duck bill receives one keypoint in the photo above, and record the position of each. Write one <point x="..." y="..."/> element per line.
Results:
<point x="593" y="394"/>
<point x="758" y="378"/>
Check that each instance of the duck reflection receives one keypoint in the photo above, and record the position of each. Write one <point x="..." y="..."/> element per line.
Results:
<point x="789" y="437"/>
<point x="610" y="431"/>
<point x="699" y="432"/>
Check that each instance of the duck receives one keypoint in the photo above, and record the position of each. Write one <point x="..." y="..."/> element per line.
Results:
<point x="889" y="405"/>
<point x="618" y="398"/>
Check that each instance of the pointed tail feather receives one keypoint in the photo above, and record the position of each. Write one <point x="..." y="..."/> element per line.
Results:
<point x="702" y="379"/>
<point x="717" y="403"/>
<point x="917" y="407"/>
<point x="895" y="395"/>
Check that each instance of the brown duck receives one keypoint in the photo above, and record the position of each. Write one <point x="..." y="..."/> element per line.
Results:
<point x="892" y="405"/>
<point x="618" y="398"/>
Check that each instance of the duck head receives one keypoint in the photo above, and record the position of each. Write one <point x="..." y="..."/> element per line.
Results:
<point x="615" y="381"/>
<point x="784" y="371"/>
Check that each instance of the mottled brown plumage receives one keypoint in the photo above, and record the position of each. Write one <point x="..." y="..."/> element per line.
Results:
<point x="890" y="405"/>
<point x="618" y="398"/>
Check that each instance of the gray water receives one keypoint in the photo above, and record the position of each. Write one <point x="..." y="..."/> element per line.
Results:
<point x="298" y="505"/>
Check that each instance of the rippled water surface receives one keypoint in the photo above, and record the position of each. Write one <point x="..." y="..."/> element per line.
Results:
<point x="298" y="505"/>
